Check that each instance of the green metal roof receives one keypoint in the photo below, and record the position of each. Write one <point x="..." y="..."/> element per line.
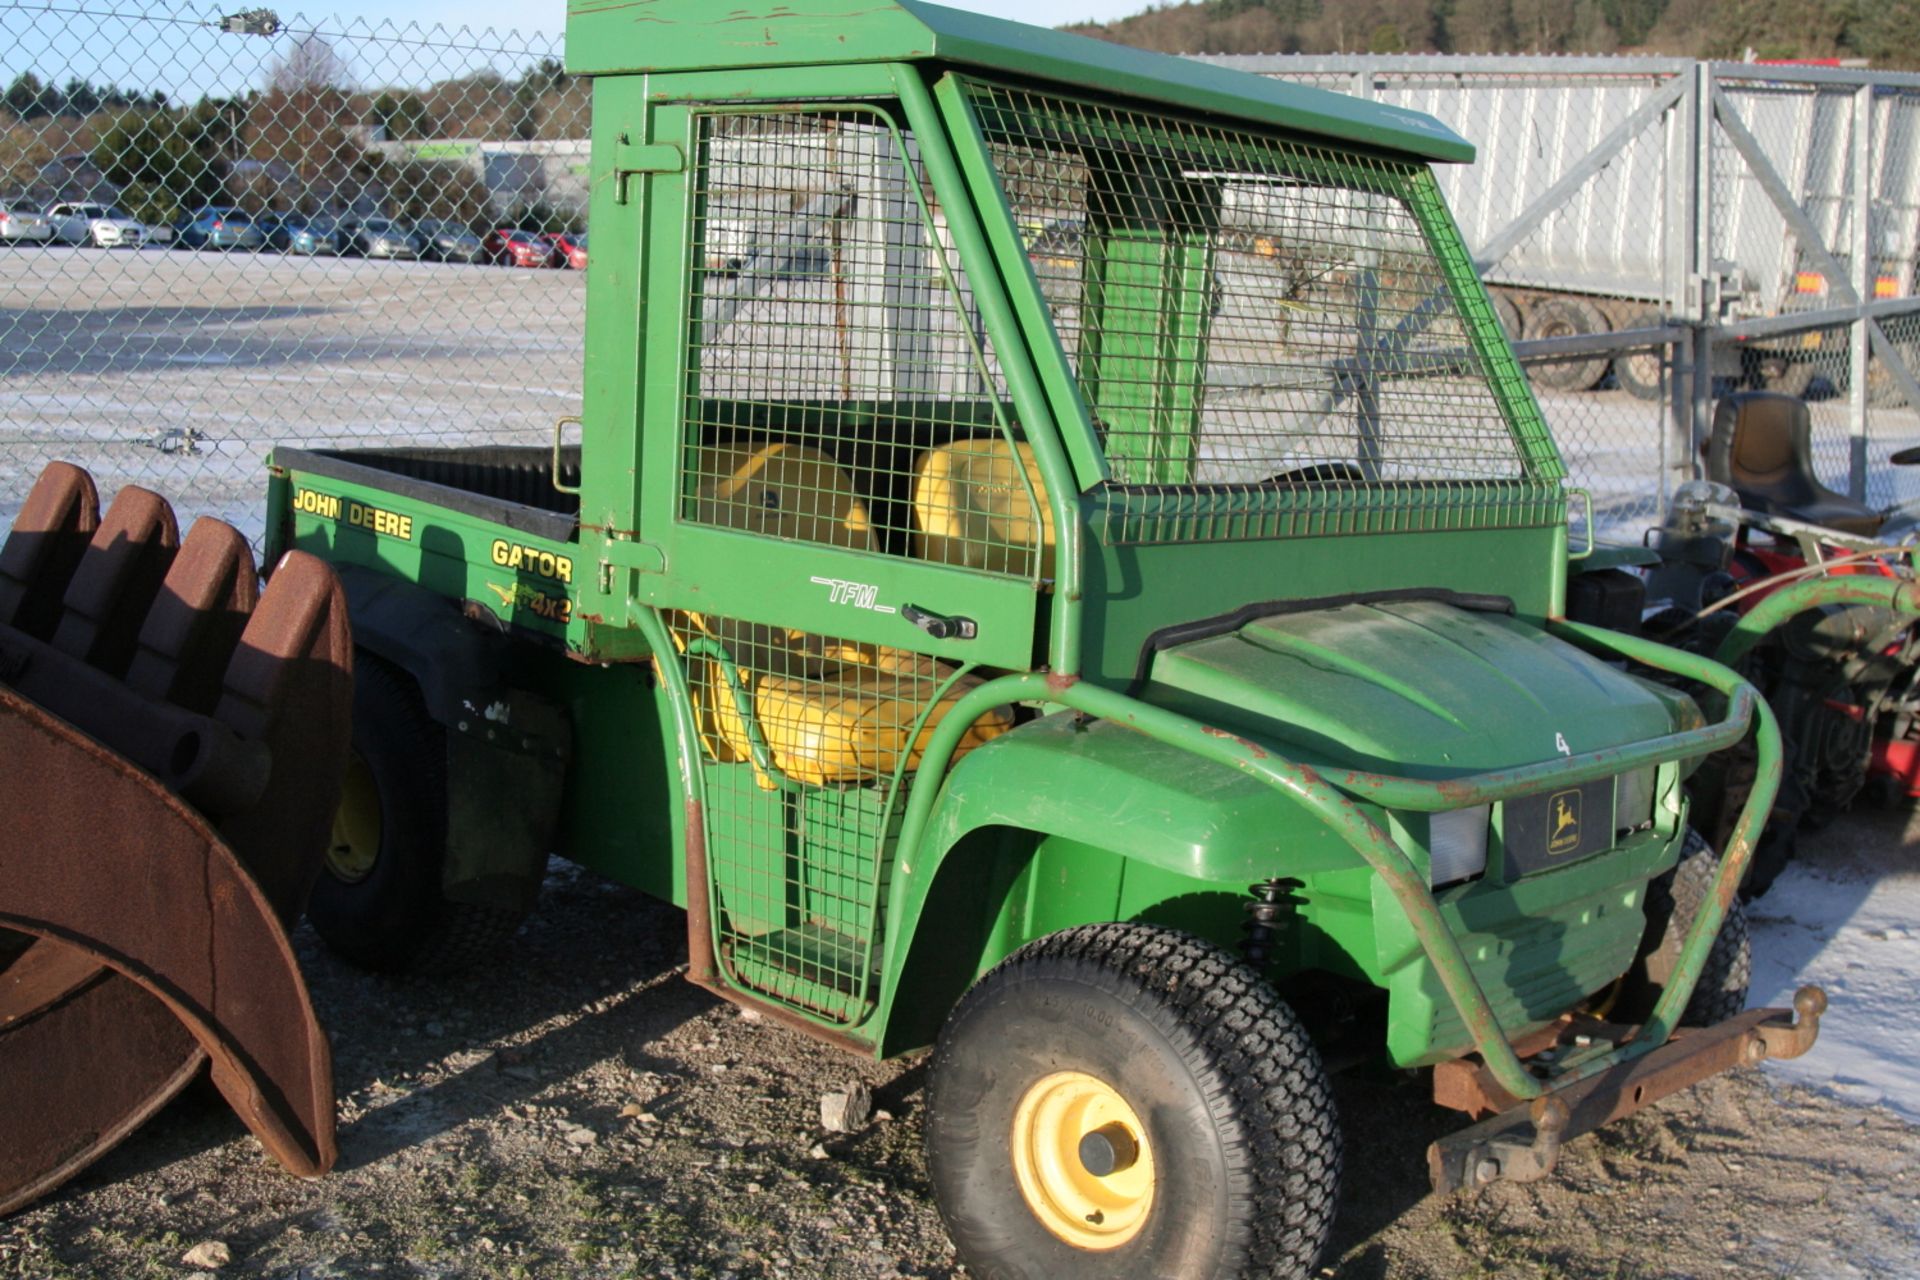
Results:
<point x="608" y="37"/>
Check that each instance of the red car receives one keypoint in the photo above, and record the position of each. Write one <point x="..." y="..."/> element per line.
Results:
<point x="513" y="248"/>
<point x="573" y="248"/>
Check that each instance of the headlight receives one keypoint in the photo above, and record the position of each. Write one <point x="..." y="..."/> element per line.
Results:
<point x="1457" y="844"/>
<point x="1633" y="800"/>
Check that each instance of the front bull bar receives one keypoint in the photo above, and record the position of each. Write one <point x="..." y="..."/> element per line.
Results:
<point x="1332" y="796"/>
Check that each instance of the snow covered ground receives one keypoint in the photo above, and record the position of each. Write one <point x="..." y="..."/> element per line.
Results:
<point x="1846" y="915"/>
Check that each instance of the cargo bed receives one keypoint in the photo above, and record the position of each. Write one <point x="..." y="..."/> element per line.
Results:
<point x="512" y="487"/>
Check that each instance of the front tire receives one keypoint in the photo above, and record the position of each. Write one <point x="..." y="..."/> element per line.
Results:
<point x="1124" y="1100"/>
<point x="378" y="900"/>
<point x="1674" y="898"/>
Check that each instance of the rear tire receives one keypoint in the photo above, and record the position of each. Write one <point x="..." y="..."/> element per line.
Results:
<point x="1187" y="1059"/>
<point x="378" y="900"/>
<point x="1674" y="898"/>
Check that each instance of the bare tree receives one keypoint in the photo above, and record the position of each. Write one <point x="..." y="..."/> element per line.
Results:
<point x="311" y="65"/>
<point x="301" y="121"/>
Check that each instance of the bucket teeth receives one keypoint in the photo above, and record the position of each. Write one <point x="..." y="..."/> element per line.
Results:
<point x="116" y="581"/>
<point x="194" y="626"/>
<point x="183" y="734"/>
<point x="49" y="536"/>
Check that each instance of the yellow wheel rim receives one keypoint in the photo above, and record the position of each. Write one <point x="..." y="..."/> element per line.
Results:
<point x="1082" y="1160"/>
<point x="355" y="845"/>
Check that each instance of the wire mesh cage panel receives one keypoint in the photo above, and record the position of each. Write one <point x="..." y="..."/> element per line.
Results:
<point x="842" y="389"/>
<point x="1254" y="315"/>
<point x="809" y="743"/>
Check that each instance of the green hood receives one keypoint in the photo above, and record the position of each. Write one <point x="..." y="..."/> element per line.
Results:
<point x="1415" y="687"/>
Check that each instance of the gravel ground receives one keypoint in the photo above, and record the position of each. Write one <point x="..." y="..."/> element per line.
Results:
<point x="579" y="1111"/>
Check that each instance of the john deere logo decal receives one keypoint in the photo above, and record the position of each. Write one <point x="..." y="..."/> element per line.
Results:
<point x="1564" y="810"/>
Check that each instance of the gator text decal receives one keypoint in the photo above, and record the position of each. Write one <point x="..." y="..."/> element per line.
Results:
<point x="544" y="564"/>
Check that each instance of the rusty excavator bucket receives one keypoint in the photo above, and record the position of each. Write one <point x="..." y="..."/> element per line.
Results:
<point x="172" y="742"/>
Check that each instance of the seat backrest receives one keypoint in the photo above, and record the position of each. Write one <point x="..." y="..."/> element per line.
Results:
<point x="1762" y="446"/>
<point x="781" y="490"/>
<point x="980" y="503"/>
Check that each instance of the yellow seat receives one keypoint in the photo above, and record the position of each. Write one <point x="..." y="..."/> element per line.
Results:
<point x="825" y="712"/>
<point x="781" y="490"/>
<point x="849" y="722"/>
<point x="981" y="504"/>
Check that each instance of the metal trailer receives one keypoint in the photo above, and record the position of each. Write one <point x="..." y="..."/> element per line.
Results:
<point x="1776" y="274"/>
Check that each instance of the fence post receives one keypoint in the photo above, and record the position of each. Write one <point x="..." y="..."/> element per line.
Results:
<point x="1860" y="246"/>
<point x="1693" y="395"/>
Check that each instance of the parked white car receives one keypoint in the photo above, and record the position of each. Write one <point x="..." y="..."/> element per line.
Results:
<point x="95" y="224"/>
<point x="21" y="221"/>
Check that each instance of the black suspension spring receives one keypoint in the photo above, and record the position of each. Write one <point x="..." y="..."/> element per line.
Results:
<point x="1269" y="912"/>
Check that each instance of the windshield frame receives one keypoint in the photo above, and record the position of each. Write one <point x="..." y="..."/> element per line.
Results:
<point x="1131" y="513"/>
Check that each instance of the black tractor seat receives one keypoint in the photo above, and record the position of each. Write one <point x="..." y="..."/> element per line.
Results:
<point x="1762" y="446"/>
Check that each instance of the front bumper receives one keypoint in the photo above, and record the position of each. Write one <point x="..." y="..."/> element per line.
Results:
<point x="1537" y="947"/>
<point x="1521" y="1141"/>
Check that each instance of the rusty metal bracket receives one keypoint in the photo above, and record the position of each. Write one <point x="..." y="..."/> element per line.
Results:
<point x="1522" y="1141"/>
<point x="180" y="738"/>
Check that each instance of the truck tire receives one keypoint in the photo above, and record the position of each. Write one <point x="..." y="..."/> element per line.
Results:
<point x="1786" y="375"/>
<point x="1639" y="371"/>
<point x="1882" y="391"/>
<point x="1566" y="318"/>
<point x="378" y="901"/>
<point x="1507" y="311"/>
<point x="1125" y="1100"/>
<point x="1673" y="900"/>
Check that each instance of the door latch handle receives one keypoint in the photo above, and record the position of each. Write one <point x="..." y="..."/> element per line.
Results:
<point x="939" y="625"/>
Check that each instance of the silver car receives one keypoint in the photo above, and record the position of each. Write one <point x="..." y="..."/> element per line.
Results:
<point x="382" y="238"/>
<point x="448" y="241"/>
<point x="21" y="222"/>
<point x="95" y="224"/>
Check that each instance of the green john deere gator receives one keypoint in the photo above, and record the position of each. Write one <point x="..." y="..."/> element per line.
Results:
<point x="1062" y="566"/>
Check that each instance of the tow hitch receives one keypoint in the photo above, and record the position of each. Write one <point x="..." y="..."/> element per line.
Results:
<point x="1521" y="1141"/>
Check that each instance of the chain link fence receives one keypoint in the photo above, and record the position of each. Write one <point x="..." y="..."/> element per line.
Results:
<point x="226" y="233"/>
<point x="222" y="235"/>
